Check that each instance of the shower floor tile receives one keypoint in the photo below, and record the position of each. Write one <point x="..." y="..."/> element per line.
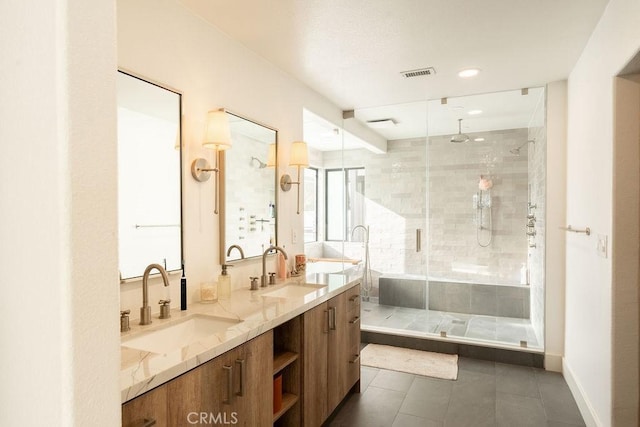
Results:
<point x="506" y="330"/>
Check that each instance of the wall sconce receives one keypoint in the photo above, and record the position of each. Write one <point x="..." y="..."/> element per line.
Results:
<point x="299" y="158"/>
<point x="217" y="137"/>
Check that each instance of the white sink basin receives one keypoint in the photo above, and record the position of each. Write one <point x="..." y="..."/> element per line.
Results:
<point x="306" y="291"/>
<point x="178" y="335"/>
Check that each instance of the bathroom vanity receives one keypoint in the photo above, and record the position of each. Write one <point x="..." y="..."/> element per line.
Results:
<point x="216" y="363"/>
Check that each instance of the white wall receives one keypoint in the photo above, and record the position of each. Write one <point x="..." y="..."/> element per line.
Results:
<point x="556" y="211"/>
<point x="58" y="250"/>
<point x="625" y="251"/>
<point x="163" y="41"/>
<point x="588" y="343"/>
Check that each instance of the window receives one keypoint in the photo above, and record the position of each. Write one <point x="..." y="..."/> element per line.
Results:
<point x="345" y="201"/>
<point x="310" y="205"/>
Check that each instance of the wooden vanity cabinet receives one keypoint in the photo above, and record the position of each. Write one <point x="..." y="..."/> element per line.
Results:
<point x="223" y="391"/>
<point x="317" y="353"/>
<point x="331" y="354"/>
<point x="150" y="407"/>
<point x="256" y="406"/>
<point x="315" y="365"/>
<point x="353" y="341"/>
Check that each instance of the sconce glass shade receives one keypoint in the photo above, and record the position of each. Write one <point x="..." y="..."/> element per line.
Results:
<point x="299" y="154"/>
<point x="271" y="157"/>
<point x="217" y="133"/>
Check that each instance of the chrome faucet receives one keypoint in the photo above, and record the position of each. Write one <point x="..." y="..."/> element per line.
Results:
<point x="263" y="279"/>
<point x="366" y="232"/>
<point x="238" y="248"/>
<point x="145" y="310"/>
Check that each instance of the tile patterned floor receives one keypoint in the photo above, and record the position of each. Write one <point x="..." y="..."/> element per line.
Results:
<point x="485" y="394"/>
<point x="506" y="330"/>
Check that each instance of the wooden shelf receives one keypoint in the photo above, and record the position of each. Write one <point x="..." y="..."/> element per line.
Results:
<point x="288" y="400"/>
<point x="282" y="360"/>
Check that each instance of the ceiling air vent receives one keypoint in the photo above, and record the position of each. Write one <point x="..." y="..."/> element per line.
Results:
<point x="381" y="124"/>
<point x="419" y="72"/>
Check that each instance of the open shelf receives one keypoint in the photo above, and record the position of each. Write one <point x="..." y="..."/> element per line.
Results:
<point x="287" y="346"/>
<point x="282" y="360"/>
<point x="288" y="400"/>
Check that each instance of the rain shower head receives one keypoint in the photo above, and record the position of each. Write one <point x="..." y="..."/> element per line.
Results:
<point x="459" y="137"/>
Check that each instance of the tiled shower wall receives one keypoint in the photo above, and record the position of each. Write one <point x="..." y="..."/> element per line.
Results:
<point x="397" y="206"/>
<point x="454" y="173"/>
<point x="395" y="190"/>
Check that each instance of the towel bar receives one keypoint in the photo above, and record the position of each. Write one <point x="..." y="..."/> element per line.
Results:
<point x="586" y="231"/>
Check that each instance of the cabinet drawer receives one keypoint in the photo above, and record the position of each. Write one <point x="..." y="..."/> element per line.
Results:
<point x="353" y="299"/>
<point x="354" y="330"/>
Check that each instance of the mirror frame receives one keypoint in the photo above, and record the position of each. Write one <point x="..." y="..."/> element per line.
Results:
<point x="223" y="191"/>
<point x="180" y="171"/>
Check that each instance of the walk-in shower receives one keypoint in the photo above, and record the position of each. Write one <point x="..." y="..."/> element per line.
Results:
<point x="477" y="275"/>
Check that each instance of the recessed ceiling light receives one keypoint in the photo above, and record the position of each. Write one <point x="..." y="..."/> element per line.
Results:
<point x="474" y="112"/>
<point x="469" y="72"/>
<point x="478" y="139"/>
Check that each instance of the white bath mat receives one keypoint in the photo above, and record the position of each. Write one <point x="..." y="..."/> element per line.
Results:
<point x="417" y="362"/>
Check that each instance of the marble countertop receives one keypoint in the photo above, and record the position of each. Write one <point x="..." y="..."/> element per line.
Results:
<point x="140" y="371"/>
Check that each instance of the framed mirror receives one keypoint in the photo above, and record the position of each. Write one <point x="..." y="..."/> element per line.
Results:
<point x="149" y="176"/>
<point x="248" y="190"/>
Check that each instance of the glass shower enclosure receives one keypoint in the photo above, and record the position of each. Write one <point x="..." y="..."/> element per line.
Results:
<point x="447" y="225"/>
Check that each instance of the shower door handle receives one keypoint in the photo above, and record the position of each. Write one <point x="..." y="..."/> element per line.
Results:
<point x="418" y="239"/>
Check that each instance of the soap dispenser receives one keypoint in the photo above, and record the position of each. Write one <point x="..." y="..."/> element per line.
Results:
<point x="224" y="283"/>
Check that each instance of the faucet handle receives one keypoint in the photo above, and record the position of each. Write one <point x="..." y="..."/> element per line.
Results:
<point x="124" y="320"/>
<point x="165" y="308"/>
<point x="254" y="283"/>
<point x="272" y="278"/>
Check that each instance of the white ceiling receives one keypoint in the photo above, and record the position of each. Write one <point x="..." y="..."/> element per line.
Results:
<point x="323" y="135"/>
<point x="499" y="110"/>
<point x="353" y="51"/>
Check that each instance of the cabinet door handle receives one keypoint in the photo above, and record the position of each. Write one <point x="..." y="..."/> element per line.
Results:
<point x="355" y="319"/>
<point x="333" y="317"/>
<point x="326" y="331"/>
<point x="355" y="359"/>
<point x="354" y="297"/>
<point x="229" y="370"/>
<point x="147" y="422"/>
<point x="242" y="376"/>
